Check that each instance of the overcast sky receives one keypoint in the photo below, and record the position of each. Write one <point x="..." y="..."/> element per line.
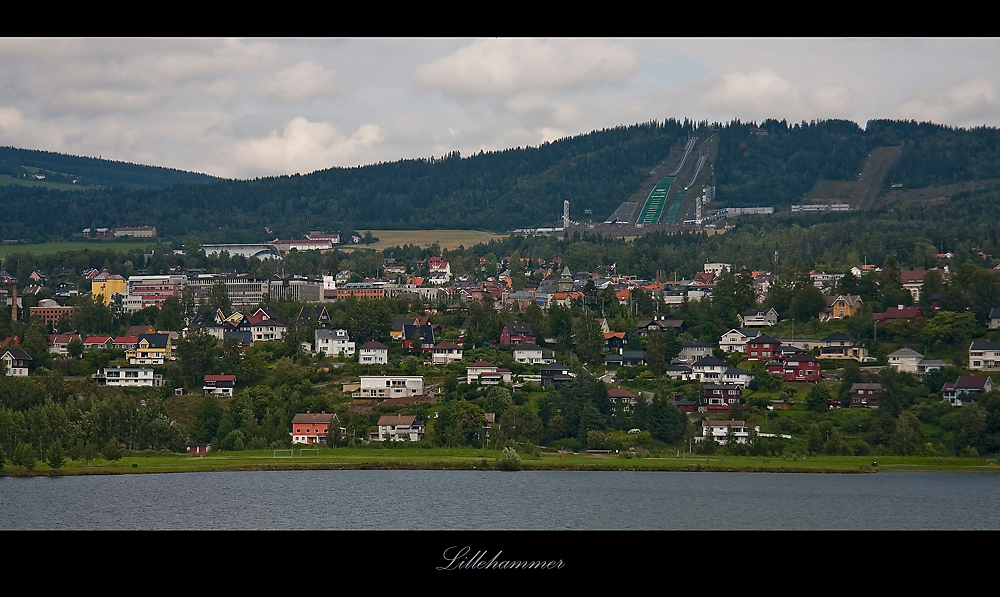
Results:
<point x="258" y="107"/>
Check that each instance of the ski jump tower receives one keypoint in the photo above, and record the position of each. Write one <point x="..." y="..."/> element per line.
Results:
<point x="565" y="214"/>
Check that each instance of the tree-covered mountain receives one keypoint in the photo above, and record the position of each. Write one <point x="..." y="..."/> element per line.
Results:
<point x="92" y="172"/>
<point x="775" y="163"/>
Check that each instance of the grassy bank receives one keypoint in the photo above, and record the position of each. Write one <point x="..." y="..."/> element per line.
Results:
<point x="471" y="459"/>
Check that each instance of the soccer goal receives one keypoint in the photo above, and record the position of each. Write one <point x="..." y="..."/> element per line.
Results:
<point x="284" y="453"/>
<point x="312" y="451"/>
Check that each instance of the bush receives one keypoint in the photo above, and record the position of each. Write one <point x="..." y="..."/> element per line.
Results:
<point x="510" y="460"/>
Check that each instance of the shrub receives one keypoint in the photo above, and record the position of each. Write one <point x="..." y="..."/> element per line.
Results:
<point x="510" y="460"/>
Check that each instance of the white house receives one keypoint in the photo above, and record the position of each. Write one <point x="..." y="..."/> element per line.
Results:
<point x="15" y="361"/>
<point x="390" y="386"/>
<point x="719" y="431"/>
<point x="373" y="353"/>
<point x="531" y="354"/>
<point x="446" y="352"/>
<point x="398" y="428"/>
<point x="482" y="369"/>
<point x="984" y="356"/>
<point x="735" y="340"/>
<point x="758" y="318"/>
<point x="127" y="377"/>
<point x="334" y="343"/>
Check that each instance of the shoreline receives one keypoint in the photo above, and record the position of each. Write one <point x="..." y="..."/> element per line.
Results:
<point x="471" y="460"/>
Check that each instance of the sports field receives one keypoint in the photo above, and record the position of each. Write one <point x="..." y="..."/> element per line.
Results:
<point x="448" y="239"/>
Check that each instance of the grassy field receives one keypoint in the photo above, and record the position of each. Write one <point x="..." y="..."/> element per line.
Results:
<point x="95" y="245"/>
<point x="472" y="459"/>
<point x="448" y="239"/>
<point x="6" y="179"/>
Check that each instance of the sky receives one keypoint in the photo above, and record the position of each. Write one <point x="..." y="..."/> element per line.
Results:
<point x="247" y="108"/>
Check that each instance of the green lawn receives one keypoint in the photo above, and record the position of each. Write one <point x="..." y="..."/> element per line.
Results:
<point x="56" y="247"/>
<point x="472" y="459"/>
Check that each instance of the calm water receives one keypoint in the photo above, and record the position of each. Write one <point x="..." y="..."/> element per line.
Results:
<point x="464" y="500"/>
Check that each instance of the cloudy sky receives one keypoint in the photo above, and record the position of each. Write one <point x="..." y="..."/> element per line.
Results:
<point x="258" y="107"/>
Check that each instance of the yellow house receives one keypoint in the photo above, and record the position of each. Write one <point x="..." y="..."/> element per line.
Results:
<point x="152" y="349"/>
<point x="105" y="285"/>
<point x="840" y="307"/>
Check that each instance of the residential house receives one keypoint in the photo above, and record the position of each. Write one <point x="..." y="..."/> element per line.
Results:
<point x="759" y="317"/>
<point x="219" y="385"/>
<point x="312" y="428"/>
<point x="693" y="351"/>
<point x="840" y="306"/>
<point x="681" y="372"/>
<point x="621" y="398"/>
<point x="735" y="340"/>
<point x="614" y="341"/>
<point x="899" y="313"/>
<point x="424" y="334"/>
<point x="389" y="386"/>
<point x="517" y="333"/>
<point x="841" y="346"/>
<point x="446" y="352"/>
<point x="15" y="361"/>
<point x="532" y="354"/>
<point x="802" y="366"/>
<point x="373" y="353"/>
<point x="907" y="360"/>
<point x="556" y="375"/>
<point x="984" y="356"/>
<point x="762" y="348"/>
<point x="398" y="428"/>
<point x="963" y="390"/>
<point x="59" y="343"/>
<point x="994" y="318"/>
<point x="98" y="343"/>
<point x="629" y="358"/>
<point x="127" y="377"/>
<point x="151" y="349"/>
<point x="333" y="343"/>
<point x="719" y="431"/>
<point x="865" y="395"/>
<point x="721" y="397"/>
<point x="709" y="369"/>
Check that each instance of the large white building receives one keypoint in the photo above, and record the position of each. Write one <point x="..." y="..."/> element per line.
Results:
<point x="390" y="386"/>
<point x="128" y="377"/>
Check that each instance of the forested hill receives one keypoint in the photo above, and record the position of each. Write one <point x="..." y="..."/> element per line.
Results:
<point x="774" y="163"/>
<point x="91" y="172"/>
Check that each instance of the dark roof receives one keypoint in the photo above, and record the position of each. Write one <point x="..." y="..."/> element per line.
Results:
<point x="985" y="346"/>
<point x="16" y="353"/>
<point x="995" y="313"/>
<point x="313" y="418"/>
<point x="516" y="328"/>
<point x="762" y="339"/>
<point x="711" y="361"/>
<point x="838" y="337"/>
<point x="374" y="345"/>
<point x="155" y="340"/>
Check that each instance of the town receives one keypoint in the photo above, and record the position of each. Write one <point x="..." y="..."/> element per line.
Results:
<point x="465" y="347"/>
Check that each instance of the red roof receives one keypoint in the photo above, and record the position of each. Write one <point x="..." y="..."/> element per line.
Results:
<point x="220" y="378"/>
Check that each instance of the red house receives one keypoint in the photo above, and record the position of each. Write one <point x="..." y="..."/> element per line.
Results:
<point x="311" y="428"/>
<point x="762" y="348"/>
<point x="802" y="366"/>
<point x="517" y="333"/>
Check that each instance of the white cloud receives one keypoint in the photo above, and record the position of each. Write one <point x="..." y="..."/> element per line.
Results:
<point x="760" y="93"/>
<point x="303" y="146"/>
<point x="969" y="104"/>
<point x="305" y="80"/>
<point x="498" y="67"/>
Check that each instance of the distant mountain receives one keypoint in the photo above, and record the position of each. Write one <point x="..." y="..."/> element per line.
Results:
<point x="30" y="164"/>
<point x="774" y="163"/>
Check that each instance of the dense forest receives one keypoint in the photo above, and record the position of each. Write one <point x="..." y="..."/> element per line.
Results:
<point x="93" y="172"/>
<point x="499" y="190"/>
